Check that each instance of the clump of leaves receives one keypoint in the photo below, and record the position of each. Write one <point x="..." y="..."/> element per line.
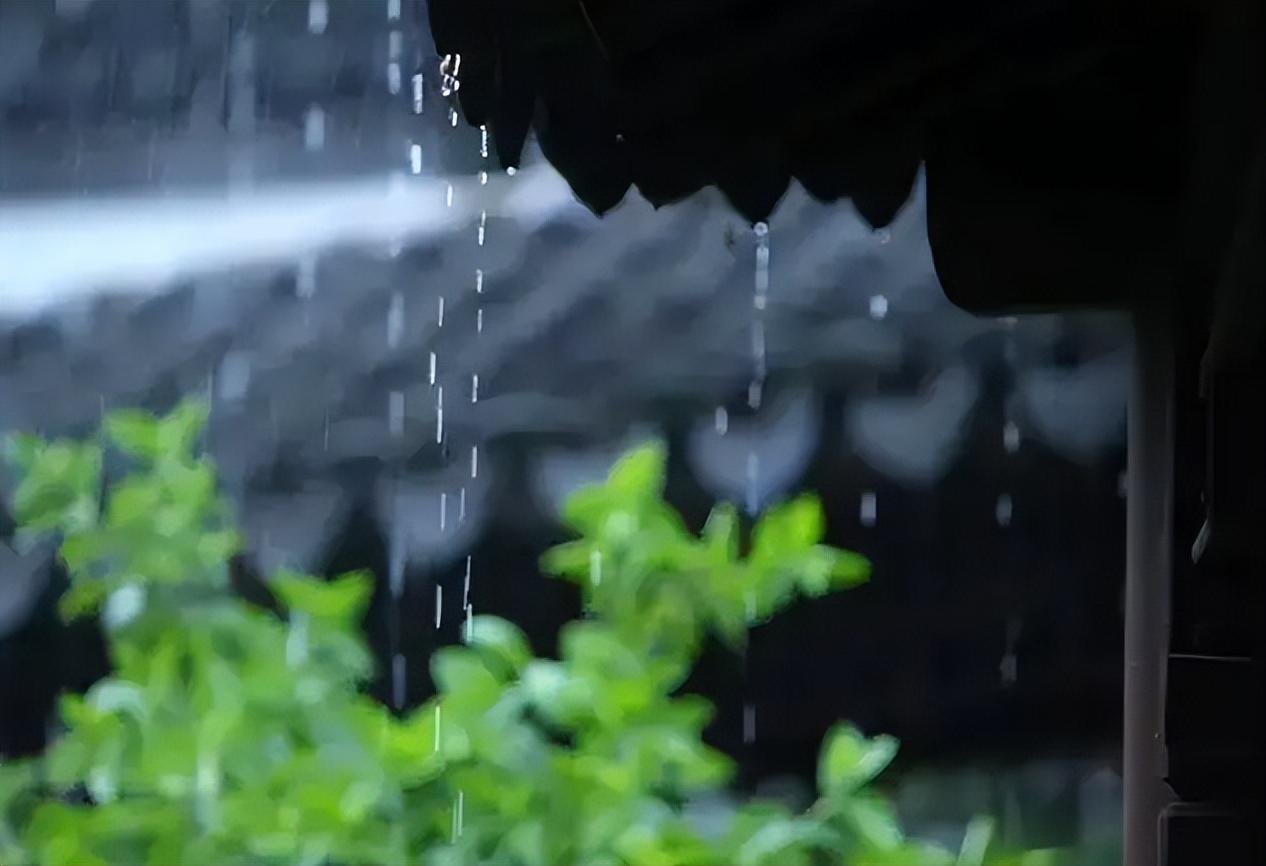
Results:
<point x="228" y="734"/>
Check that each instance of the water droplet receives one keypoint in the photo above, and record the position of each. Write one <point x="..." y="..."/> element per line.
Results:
<point x="395" y="320"/>
<point x="754" y="393"/>
<point x="393" y="10"/>
<point x="595" y="567"/>
<point x="461" y="506"/>
<point x="431" y="373"/>
<point x="393" y="77"/>
<point x="1011" y="437"/>
<point x="474" y="388"/>
<point x="867" y="510"/>
<point x="479" y="320"/>
<point x="437" y="728"/>
<point x="483" y="178"/>
<point x="397" y="680"/>
<point x="479" y="281"/>
<point x="443" y="511"/>
<point x="761" y="229"/>
<point x="483" y="141"/>
<point x="878" y="307"/>
<point x="458" y="816"/>
<point x="483" y="226"/>
<point x="749" y="724"/>
<point x="439" y="312"/>
<point x="314" y="128"/>
<point x="448" y="196"/>
<point x="439" y="414"/>
<point x="415" y="158"/>
<point x="318" y="16"/>
<point x="395" y="413"/>
<point x="1002" y="510"/>
<point x="722" y="420"/>
<point x="452" y="117"/>
<point x="512" y="171"/>
<point x="474" y="461"/>
<point x="439" y="604"/>
<point x="417" y="92"/>
<point x="466" y="583"/>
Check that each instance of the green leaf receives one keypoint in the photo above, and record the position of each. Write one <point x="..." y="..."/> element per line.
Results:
<point x="178" y="431"/>
<point x="874" y="822"/>
<point x="340" y="600"/>
<point x="639" y="474"/>
<point x="133" y="431"/>
<point x="720" y="534"/>
<point x="849" y="760"/>
<point x="787" y="530"/>
<point x="501" y="641"/>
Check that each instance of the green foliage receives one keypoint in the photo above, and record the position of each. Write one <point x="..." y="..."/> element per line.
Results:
<point x="227" y="734"/>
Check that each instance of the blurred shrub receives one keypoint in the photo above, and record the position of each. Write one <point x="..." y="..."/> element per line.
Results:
<point x="229" y="735"/>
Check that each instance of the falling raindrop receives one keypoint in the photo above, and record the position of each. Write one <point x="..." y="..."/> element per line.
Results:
<point x="878" y="307"/>
<point x="474" y="461"/>
<point x="461" y="505"/>
<point x="395" y="320"/>
<point x="483" y="141"/>
<point x="474" y="388"/>
<point x="1011" y="437"/>
<point x="450" y="68"/>
<point x="431" y="372"/>
<point x="466" y="583"/>
<point x="397" y="680"/>
<point x="439" y="312"/>
<point x="512" y="171"/>
<point x="479" y="281"/>
<point x="1002" y="510"/>
<point x="439" y="604"/>
<point x="415" y="158"/>
<point x="867" y="510"/>
<point x="458" y="817"/>
<point x="452" y="117"/>
<point x="395" y="41"/>
<point x="437" y="728"/>
<point x="318" y="16"/>
<point x="722" y="420"/>
<point x="749" y="724"/>
<point x="483" y="178"/>
<point x="439" y="414"/>
<point x="417" y="92"/>
<point x="325" y="433"/>
<point x="479" y="320"/>
<point x="314" y="128"/>
<point x="483" y="226"/>
<point x="448" y="196"/>
<point x="443" y="511"/>
<point x="469" y="628"/>
<point x="393" y="10"/>
<point x="595" y="567"/>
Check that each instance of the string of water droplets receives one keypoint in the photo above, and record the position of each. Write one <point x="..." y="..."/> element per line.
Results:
<point x="450" y="83"/>
<point x="396" y="557"/>
<point x="755" y="397"/>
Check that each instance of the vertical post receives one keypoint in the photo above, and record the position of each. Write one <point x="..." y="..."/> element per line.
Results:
<point x="1148" y="578"/>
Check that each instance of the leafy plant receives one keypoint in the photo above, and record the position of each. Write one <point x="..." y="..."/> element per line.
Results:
<point x="228" y="734"/>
